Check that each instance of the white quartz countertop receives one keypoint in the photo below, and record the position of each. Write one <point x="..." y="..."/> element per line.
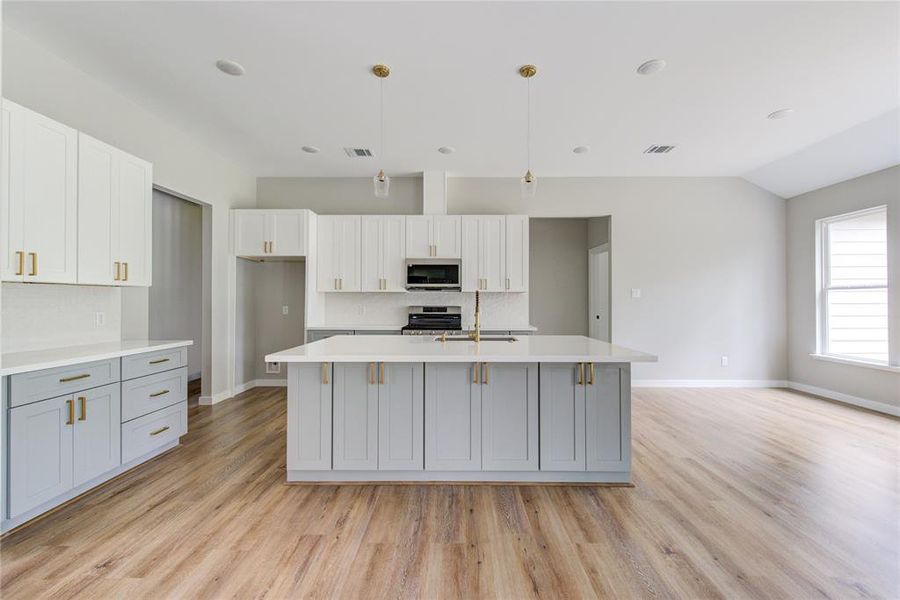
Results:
<point x="398" y="327"/>
<point x="34" y="360"/>
<point x="392" y="348"/>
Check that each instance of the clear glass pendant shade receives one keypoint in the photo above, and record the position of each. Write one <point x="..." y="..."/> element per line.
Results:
<point x="529" y="185"/>
<point x="382" y="185"/>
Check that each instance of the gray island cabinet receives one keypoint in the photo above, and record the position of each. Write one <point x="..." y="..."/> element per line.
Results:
<point x="400" y="409"/>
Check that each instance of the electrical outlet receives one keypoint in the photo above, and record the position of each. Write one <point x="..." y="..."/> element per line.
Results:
<point x="361" y="309"/>
<point x="99" y="319"/>
<point x="635" y="292"/>
<point x="724" y="361"/>
<point x="284" y="310"/>
<point x="273" y="367"/>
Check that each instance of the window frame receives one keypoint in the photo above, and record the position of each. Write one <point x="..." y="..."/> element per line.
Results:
<point x="823" y="286"/>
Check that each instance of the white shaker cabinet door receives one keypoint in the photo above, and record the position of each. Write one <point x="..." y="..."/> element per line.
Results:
<point x="509" y="423"/>
<point x="371" y="253"/>
<point x="309" y="416"/>
<point x="393" y="253"/>
<point x="98" y="212"/>
<point x="607" y="421"/>
<point x="12" y="245"/>
<point x="44" y="184"/>
<point x="135" y="220"/>
<point x="250" y="233"/>
<point x="98" y="424"/>
<point x="492" y="252"/>
<point x="40" y="452"/>
<point x="446" y="235"/>
<point x="355" y="416"/>
<point x="517" y="253"/>
<point x="348" y="253"/>
<point x="470" y="254"/>
<point x="418" y="236"/>
<point x="401" y="397"/>
<point x="562" y="417"/>
<point x="327" y="253"/>
<point x="452" y="417"/>
<point x="287" y="233"/>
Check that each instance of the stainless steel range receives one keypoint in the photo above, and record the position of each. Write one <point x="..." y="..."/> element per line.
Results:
<point x="433" y="320"/>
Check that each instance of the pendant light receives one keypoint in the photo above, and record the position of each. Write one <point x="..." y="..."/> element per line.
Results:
<point x="529" y="181"/>
<point x="382" y="182"/>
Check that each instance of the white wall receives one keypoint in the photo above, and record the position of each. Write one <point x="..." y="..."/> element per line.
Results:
<point x="176" y="298"/>
<point x="876" y="189"/>
<point x="48" y="84"/>
<point x="340" y="195"/>
<point x="707" y="253"/>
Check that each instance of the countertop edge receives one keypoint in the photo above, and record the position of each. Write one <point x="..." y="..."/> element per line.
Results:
<point x="462" y="359"/>
<point x="39" y="365"/>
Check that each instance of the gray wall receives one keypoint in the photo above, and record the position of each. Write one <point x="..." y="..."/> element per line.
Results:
<point x="558" y="288"/>
<point x="278" y="284"/>
<point x="245" y="322"/>
<point x="597" y="231"/>
<point x="880" y="188"/>
<point x="176" y="296"/>
<point x="339" y="195"/>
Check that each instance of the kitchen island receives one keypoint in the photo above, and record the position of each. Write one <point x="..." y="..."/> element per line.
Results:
<point x="391" y="408"/>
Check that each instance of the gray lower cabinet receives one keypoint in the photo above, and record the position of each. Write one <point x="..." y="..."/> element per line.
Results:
<point x="401" y="398"/>
<point x="97" y="447"/>
<point x="452" y="417"/>
<point x="509" y="421"/>
<point x="355" y="416"/>
<point x="585" y="420"/>
<point x="309" y="416"/>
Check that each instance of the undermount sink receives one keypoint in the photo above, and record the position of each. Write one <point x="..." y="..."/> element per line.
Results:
<point x="484" y="338"/>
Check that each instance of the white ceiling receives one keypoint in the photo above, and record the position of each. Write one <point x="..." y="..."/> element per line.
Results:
<point x="455" y="81"/>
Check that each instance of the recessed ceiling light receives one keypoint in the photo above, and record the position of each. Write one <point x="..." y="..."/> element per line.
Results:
<point x="652" y="66"/>
<point x="230" y="67"/>
<point x="780" y="113"/>
<point x="310" y="149"/>
<point x="581" y="149"/>
<point x="446" y="149"/>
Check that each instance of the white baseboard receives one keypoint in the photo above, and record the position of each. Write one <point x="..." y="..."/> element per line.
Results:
<point x="708" y="383"/>
<point x="888" y="409"/>
<point x="270" y="383"/>
<point x="214" y="399"/>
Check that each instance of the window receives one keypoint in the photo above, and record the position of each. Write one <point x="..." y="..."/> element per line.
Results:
<point x="853" y="296"/>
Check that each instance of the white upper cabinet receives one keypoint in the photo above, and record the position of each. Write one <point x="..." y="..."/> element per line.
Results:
<point x="517" y="253"/>
<point x="338" y="253"/>
<point x="38" y="197"/>
<point x="486" y="253"/>
<point x="270" y="232"/>
<point x="433" y="236"/>
<point x="115" y="219"/>
<point x="383" y="245"/>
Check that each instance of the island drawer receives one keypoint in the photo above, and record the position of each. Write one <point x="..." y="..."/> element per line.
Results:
<point x="150" y="393"/>
<point x="26" y="388"/>
<point x="147" y="433"/>
<point x="148" y="363"/>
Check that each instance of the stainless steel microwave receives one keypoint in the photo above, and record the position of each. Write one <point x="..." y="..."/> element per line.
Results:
<point x="434" y="274"/>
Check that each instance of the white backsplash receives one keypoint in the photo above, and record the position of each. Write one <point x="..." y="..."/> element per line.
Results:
<point x="498" y="310"/>
<point x="38" y="316"/>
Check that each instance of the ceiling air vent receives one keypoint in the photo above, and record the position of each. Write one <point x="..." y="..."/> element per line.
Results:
<point x="358" y="152"/>
<point x="659" y="149"/>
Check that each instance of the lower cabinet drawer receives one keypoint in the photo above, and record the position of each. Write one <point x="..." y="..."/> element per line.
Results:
<point x="147" y="433"/>
<point x="26" y="388"/>
<point x="138" y="365"/>
<point x="145" y="395"/>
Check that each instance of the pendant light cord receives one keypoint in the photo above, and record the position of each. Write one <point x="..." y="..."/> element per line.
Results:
<point x="382" y="117"/>
<point x="528" y="130"/>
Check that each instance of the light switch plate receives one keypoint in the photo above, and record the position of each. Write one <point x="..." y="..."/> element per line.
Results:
<point x="724" y="361"/>
<point x="99" y="319"/>
<point x="635" y="292"/>
<point x="284" y="310"/>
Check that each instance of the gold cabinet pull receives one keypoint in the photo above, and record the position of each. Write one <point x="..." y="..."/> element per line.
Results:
<point x="507" y="283"/>
<point x="125" y="276"/>
<point x="160" y="430"/>
<point x="591" y="373"/>
<point x="476" y="370"/>
<point x="158" y="361"/>
<point x="82" y="402"/>
<point x="335" y="283"/>
<point x="372" y="373"/>
<point x="340" y="283"/>
<point x="74" y="378"/>
<point x="580" y="373"/>
<point x="487" y="373"/>
<point x="70" y="406"/>
<point x="381" y="374"/>
<point x="159" y="393"/>
<point x="324" y="372"/>
<point x="34" y="270"/>
<point x="118" y="275"/>
<point x="21" y="255"/>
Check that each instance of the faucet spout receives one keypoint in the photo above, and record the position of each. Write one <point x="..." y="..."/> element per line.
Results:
<point x="476" y="334"/>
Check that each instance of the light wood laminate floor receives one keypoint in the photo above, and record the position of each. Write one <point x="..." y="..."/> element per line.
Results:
<point x="738" y="494"/>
